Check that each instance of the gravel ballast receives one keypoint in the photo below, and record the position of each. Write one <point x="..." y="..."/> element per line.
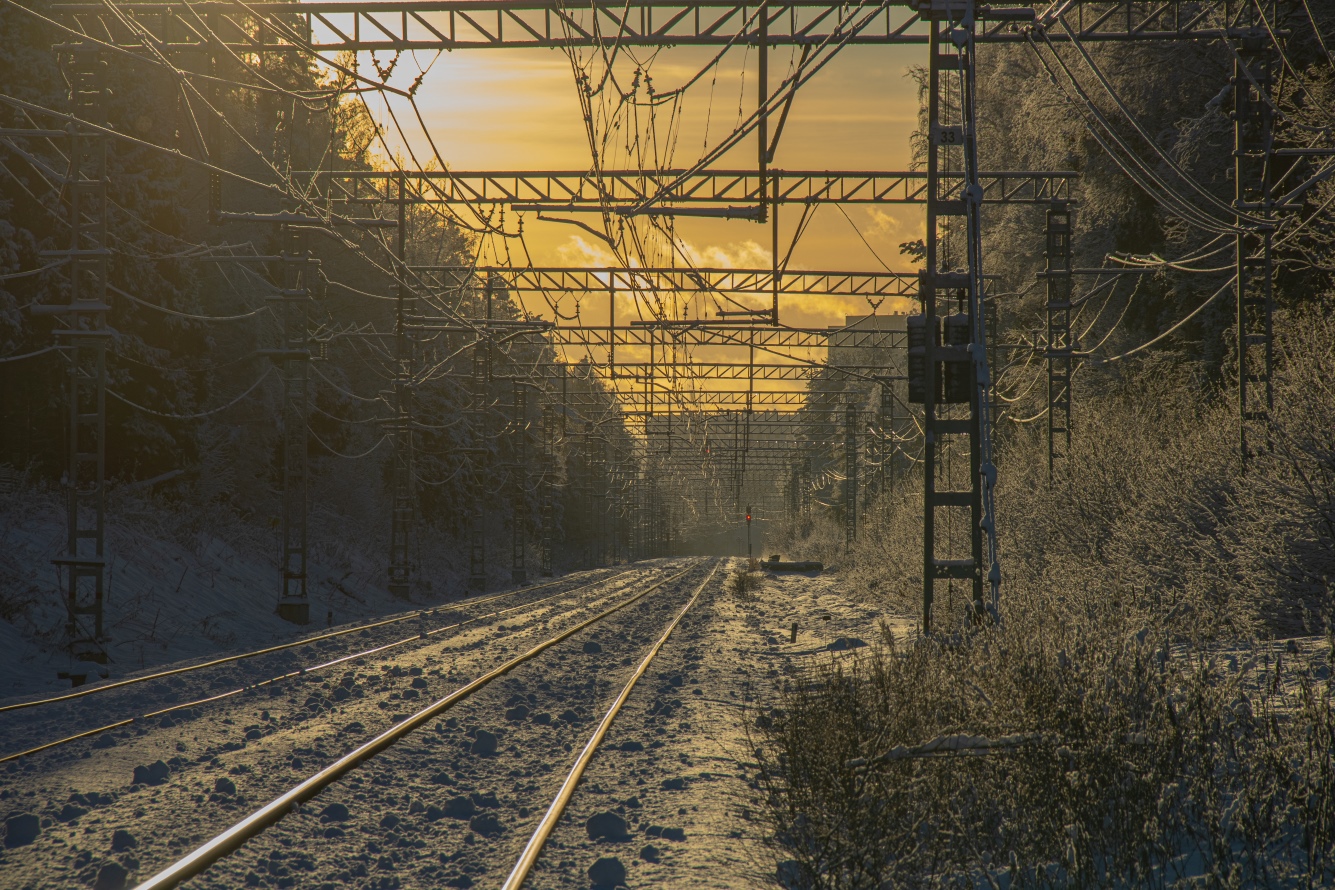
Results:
<point x="663" y="803"/>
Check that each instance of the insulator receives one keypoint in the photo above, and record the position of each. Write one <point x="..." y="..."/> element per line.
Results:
<point x="956" y="379"/>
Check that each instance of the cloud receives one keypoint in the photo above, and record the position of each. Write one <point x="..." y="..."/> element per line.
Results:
<point x="578" y="251"/>
<point x="892" y="225"/>
<point x="735" y="255"/>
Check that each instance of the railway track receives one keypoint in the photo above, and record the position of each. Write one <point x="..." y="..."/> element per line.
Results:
<point x="538" y="840"/>
<point x="405" y="770"/>
<point x="622" y="745"/>
<point x="191" y="704"/>
<point x="415" y="614"/>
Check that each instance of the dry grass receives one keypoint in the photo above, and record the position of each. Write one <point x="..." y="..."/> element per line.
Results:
<point x="744" y="583"/>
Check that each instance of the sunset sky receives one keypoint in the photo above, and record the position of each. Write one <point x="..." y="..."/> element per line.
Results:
<point x="519" y="110"/>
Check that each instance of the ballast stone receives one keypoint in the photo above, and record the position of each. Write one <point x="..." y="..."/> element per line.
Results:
<point x="608" y="872"/>
<point x="21" y="830"/>
<point x="484" y="743"/>
<point x="335" y="812"/>
<point x="111" y="876"/>
<point x="607" y="826"/>
<point x="154" y="774"/>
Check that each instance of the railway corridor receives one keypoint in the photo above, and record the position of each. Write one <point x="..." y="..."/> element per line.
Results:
<point x="664" y="801"/>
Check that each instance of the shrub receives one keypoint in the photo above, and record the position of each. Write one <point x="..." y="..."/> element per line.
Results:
<point x="1065" y="758"/>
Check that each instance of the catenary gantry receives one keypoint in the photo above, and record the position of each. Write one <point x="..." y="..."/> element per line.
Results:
<point x="390" y="25"/>
<point x="952" y="187"/>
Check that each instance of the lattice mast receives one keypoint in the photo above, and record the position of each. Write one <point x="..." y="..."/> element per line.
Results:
<point x="1060" y="346"/>
<point x="1253" y="174"/>
<point x="479" y="455"/>
<point x="84" y="340"/>
<point x="403" y="506"/>
<point x="293" y="356"/>
<point x="546" y="490"/>
<point x="519" y="503"/>
<point x="952" y="358"/>
<point x="850" y="476"/>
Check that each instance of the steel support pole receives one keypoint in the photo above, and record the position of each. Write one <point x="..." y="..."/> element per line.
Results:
<point x="293" y="357"/>
<point x="597" y="455"/>
<point x="738" y="469"/>
<point x="850" y="476"/>
<point x="889" y="437"/>
<point x="84" y="340"/>
<point x="953" y="268"/>
<point x="655" y="520"/>
<point x="804" y="494"/>
<point x="547" y="489"/>
<point x="617" y="505"/>
<point x="519" y="510"/>
<point x="1253" y="173"/>
<point x="479" y="465"/>
<point x="613" y="504"/>
<point x="213" y="132"/>
<point x="403" y="503"/>
<point x="1060" y="346"/>
<point x="750" y="405"/>
<point x="668" y="514"/>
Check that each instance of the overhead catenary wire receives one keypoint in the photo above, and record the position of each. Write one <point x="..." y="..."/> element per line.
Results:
<point x="684" y="385"/>
<point x="372" y="349"/>
<point x="334" y="451"/>
<point x="1228" y="286"/>
<point x="1128" y="160"/>
<point x="290" y="191"/>
<point x="200" y="415"/>
<point x="5" y="359"/>
<point x="1163" y="157"/>
<point x="192" y="316"/>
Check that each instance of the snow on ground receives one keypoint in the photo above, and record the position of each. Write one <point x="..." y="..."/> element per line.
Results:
<point x="452" y="805"/>
<point x="170" y="597"/>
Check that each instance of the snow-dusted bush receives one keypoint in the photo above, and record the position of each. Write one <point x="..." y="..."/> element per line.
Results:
<point x="1127" y="724"/>
<point x="1053" y="756"/>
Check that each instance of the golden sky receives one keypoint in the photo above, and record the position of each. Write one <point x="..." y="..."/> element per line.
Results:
<point x="519" y="110"/>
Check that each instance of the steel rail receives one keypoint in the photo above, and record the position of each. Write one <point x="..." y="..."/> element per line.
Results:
<point x="533" y="849"/>
<point x="257" y="822"/>
<point x="268" y="650"/>
<point x="289" y="675"/>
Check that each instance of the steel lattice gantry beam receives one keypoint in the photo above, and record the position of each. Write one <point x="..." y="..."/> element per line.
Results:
<point x="403" y="25"/>
<point x="713" y="333"/>
<point x="785" y="405"/>
<point x="739" y="370"/>
<point x="717" y="401"/>
<point x="758" y="282"/>
<point x="620" y="192"/>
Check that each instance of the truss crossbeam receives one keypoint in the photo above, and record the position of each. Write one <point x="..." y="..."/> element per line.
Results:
<point x="703" y="334"/>
<point x="702" y="372"/>
<point x="621" y="191"/>
<point x="706" y="402"/>
<point x="405" y="25"/>
<point x="731" y="281"/>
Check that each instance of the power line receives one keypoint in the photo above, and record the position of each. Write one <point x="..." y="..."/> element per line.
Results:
<point x="196" y="416"/>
